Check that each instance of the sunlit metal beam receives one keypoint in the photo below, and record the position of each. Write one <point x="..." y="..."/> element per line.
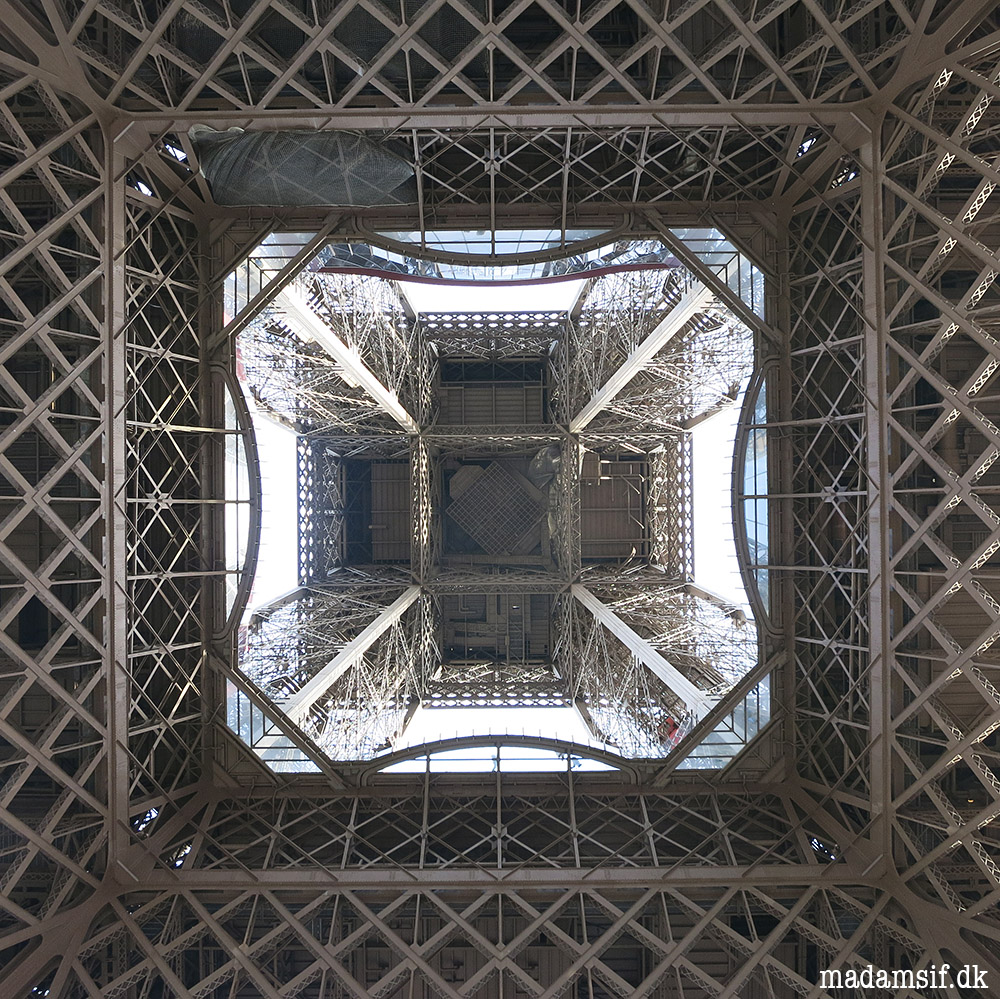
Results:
<point x="695" y="298"/>
<point x="298" y="705"/>
<point x="696" y="699"/>
<point x="301" y="317"/>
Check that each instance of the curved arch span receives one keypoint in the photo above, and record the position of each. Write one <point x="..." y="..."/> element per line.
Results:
<point x="557" y="746"/>
<point x="244" y="426"/>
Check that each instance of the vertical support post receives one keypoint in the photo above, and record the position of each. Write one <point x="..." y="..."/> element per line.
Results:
<point x="877" y="457"/>
<point x="781" y="471"/>
<point x="115" y="500"/>
<point x="422" y="513"/>
<point x="211" y="411"/>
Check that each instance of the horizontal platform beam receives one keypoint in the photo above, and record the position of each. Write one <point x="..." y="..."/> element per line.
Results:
<point x="487" y="879"/>
<point x="541" y="115"/>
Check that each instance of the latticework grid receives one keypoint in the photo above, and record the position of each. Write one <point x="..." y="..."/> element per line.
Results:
<point x="146" y="853"/>
<point x="495" y="510"/>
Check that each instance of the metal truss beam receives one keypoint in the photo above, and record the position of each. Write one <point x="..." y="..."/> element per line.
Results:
<point x="279" y="281"/>
<point x="697" y="700"/>
<point x="298" y="313"/>
<point x="878" y="527"/>
<point x="763" y="876"/>
<point x="298" y="705"/>
<point x="694" y="298"/>
<point x="501" y="116"/>
<point x="885" y="359"/>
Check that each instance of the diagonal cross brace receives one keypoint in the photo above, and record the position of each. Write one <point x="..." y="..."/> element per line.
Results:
<point x="694" y="300"/>
<point x="296" y="708"/>
<point x="298" y="705"/>
<point x="699" y="701"/>
<point x="299" y="314"/>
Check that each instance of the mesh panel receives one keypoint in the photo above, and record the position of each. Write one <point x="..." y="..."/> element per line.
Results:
<point x="301" y="168"/>
<point x="495" y="511"/>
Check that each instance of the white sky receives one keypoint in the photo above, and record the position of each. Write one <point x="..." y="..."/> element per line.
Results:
<point x="277" y="560"/>
<point x="429" y="724"/>
<point x="555" y="296"/>
<point x="715" y="564"/>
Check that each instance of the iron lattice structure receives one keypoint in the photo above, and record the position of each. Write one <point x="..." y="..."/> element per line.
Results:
<point x="489" y="611"/>
<point x="147" y="853"/>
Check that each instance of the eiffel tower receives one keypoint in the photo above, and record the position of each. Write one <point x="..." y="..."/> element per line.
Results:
<point x="216" y="213"/>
